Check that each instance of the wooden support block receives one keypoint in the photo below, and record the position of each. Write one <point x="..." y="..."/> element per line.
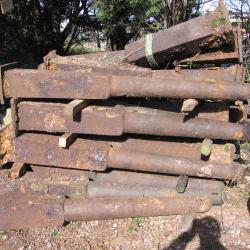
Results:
<point x="18" y="170"/>
<point x="66" y="139"/>
<point x="206" y="147"/>
<point x="189" y="105"/>
<point x="74" y="107"/>
<point x="181" y="184"/>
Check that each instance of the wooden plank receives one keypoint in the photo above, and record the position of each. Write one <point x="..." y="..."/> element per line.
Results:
<point x="74" y="107"/>
<point x="66" y="139"/>
<point x="17" y="170"/>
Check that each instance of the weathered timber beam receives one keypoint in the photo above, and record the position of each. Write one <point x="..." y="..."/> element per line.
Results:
<point x="17" y="208"/>
<point x="216" y="57"/>
<point x="118" y="120"/>
<point x="43" y="150"/>
<point x="184" y="39"/>
<point x="78" y="85"/>
<point x="156" y="180"/>
<point x="108" y="190"/>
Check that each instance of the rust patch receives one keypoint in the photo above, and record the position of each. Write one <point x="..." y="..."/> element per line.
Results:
<point x="54" y="120"/>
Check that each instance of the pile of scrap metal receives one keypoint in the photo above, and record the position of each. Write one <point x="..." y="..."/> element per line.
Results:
<point x="117" y="135"/>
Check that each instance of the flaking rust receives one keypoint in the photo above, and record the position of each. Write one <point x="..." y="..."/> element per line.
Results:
<point x="115" y="121"/>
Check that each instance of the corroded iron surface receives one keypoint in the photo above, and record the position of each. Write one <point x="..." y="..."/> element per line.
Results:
<point x="43" y="150"/>
<point x="118" y="120"/>
<point x="105" y="190"/>
<point x="82" y="85"/>
<point x="118" y="208"/>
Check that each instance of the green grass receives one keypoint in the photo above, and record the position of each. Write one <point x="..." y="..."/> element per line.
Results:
<point x="137" y="222"/>
<point x="55" y="233"/>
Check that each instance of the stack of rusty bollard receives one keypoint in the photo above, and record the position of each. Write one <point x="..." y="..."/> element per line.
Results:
<point x="138" y="132"/>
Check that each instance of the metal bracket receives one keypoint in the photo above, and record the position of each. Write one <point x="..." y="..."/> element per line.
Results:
<point x="4" y="68"/>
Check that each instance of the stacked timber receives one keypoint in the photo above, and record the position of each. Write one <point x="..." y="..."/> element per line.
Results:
<point x="141" y="139"/>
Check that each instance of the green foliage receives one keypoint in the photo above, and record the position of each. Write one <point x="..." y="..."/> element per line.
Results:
<point x="34" y="28"/>
<point x="137" y="222"/>
<point x="55" y="233"/>
<point x="123" y="20"/>
<point x="219" y="21"/>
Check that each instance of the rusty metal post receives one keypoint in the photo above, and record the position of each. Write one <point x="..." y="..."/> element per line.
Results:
<point x="176" y="88"/>
<point x="119" y="208"/>
<point x="115" y="121"/>
<point x="156" y="180"/>
<point x="109" y="190"/>
<point x="80" y="85"/>
<point x="171" y="124"/>
<point x="43" y="150"/>
<point x="135" y="160"/>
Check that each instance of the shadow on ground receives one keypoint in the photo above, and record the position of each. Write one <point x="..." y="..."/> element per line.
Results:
<point x="209" y="232"/>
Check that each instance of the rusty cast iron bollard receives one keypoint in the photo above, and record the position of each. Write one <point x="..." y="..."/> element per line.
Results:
<point x="51" y="154"/>
<point x="220" y="153"/>
<point x="120" y="208"/>
<point x="32" y="211"/>
<point x="171" y="124"/>
<point x="116" y="120"/>
<point x="156" y="180"/>
<point x="135" y="160"/>
<point x="86" y="156"/>
<point x="176" y="88"/>
<point x="108" y="190"/>
<point x="80" y="85"/>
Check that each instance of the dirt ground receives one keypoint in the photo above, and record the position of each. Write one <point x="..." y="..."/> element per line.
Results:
<point x="226" y="227"/>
